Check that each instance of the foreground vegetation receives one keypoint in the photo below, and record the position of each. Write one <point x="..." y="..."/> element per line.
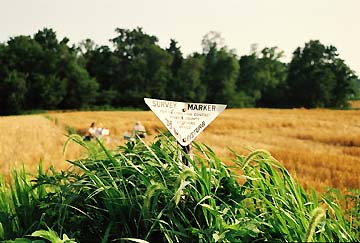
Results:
<point x="143" y="193"/>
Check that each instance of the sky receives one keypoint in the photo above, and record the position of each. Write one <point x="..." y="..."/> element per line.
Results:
<point x="287" y="24"/>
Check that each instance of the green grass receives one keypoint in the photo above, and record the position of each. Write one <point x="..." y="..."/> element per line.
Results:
<point x="141" y="193"/>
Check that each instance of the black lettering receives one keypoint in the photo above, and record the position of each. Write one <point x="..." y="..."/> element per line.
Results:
<point x="201" y="107"/>
<point x="196" y="131"/>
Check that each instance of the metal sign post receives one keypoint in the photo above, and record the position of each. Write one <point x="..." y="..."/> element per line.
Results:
<point x="187" y="150"/>
<point x="184" y="120"/>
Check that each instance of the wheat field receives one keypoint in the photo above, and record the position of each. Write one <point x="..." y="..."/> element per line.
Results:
<point x="319" y="147"/>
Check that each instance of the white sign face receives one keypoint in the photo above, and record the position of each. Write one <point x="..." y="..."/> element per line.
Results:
<point x="184" y="120"/>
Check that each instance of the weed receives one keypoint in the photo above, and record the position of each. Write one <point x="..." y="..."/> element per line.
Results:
<point x="142" y="193"/>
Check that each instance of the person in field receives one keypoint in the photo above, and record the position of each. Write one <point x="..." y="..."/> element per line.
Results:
<point x="139" y="130"/>
<point x="101" y="131"/>
<point x="97" y="132"/>
<point x="91" y="132"/>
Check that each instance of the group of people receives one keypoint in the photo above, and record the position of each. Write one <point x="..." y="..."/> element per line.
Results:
<point x="137" y="131"/>
<point x="94" y="131"/>
<point x="99" y="132"/>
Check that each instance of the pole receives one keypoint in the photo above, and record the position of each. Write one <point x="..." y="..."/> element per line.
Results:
<point x="187" y="150"/>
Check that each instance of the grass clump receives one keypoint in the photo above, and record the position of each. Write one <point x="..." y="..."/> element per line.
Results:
<point x="142" y="193"/>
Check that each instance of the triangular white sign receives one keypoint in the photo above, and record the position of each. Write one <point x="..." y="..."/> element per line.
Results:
<point x="184" y="120"/>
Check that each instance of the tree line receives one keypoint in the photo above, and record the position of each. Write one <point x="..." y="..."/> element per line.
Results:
<point x="42" y="72"/>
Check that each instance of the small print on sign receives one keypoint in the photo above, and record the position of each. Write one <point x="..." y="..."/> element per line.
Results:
<point x="184" y="120"/>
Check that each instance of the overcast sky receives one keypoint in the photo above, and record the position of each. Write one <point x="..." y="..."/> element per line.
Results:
<point x="286" y="24"/>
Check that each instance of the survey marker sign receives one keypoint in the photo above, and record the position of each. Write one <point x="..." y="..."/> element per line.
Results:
<point x="184" y="120"/>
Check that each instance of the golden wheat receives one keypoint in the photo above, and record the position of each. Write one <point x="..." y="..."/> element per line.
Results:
<point x="25" y="140"/>
<point x="320" y="147"/>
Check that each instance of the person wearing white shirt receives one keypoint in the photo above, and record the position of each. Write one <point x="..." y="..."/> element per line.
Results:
<point x="139" y="130"/>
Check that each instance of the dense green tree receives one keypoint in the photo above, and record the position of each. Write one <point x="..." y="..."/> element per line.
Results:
<point x="12" y="84"/>
<point x="262" y="78"/>
<point x="21" y="53"/>
<point x="318" y="78"/>
<point x="12" y="93"/>
<point x="272" y="76"/>
<point x="105" y="66"/>
<point x="45" y="67"/>
<point x="221" y="69"/>
<point x="29" y="57"/>
<point x="346" y="84"/>
<point x="4" y="70"/>
<point x="159" y="71"/>
<point x="48" y="40"/>
<point x="145" y="67"/>
<point x="189" y="86"/>
<point x="247" y="82"/>
<point x="42" y="72"/>
<point x="174" y="91"/>
<point x="62" y="80"/>
<point x="132" y="43"/>
<point x="81" y="89"/>
<point x="177" y="57"/>
<point x="357" y="90"/>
